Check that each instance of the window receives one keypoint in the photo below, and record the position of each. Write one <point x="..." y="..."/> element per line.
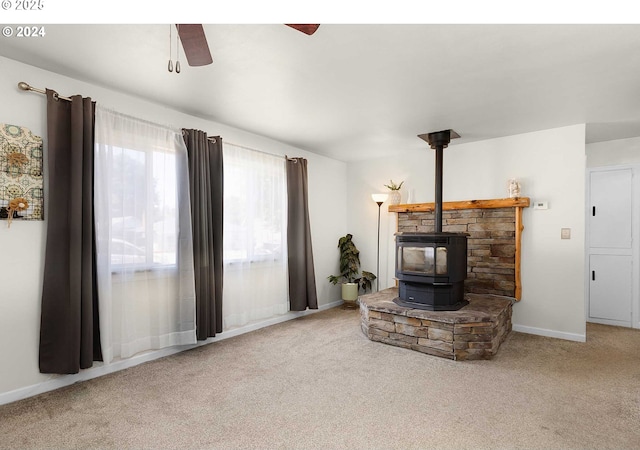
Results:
<point x="143" y="206"/>
<point x="255" y="206"/>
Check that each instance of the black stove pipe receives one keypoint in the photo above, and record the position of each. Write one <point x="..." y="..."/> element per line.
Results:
<point x="438" y="210"/>
<point x="438" y="141"/>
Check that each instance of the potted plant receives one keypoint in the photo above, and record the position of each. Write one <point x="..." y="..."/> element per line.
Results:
<point x="394" y="195"/>
<point x="349" y="276"/>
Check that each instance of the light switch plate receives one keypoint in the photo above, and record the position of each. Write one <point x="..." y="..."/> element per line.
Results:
<point x="565" y="233"/>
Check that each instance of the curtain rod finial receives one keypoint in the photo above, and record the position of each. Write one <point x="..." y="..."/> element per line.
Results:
<point x="24" y="86"/>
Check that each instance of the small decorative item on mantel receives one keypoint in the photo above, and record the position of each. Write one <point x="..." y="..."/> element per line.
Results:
<point x="394" y="196"/>
<point x="514" y="188"/>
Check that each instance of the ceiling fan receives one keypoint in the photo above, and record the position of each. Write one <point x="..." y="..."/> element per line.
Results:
<point x="306" y="28"/>
<point x="196" y="49"/>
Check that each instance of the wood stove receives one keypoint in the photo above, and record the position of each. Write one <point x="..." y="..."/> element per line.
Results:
<point x="431" y="267"/>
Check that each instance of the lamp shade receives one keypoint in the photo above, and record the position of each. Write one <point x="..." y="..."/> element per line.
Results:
<point x="379" y="198"/>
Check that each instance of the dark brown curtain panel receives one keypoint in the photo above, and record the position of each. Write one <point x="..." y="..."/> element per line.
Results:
<point x="302" y="279"/>
<point x="206" y="187"/>
<point x="69" y="333"/>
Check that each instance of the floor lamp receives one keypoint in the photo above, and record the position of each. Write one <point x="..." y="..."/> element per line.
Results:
<point x="379" y="199"/>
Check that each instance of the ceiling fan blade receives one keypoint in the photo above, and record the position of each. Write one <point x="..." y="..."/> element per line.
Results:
<point x="306" y="28"/>
<point x="194" y="43"/>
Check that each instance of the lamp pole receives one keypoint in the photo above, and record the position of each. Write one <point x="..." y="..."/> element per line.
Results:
<point x="379" y="199"/>
<point x="378" y="258"/>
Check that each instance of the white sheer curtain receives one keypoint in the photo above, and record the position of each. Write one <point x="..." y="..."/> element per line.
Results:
<point x="143" y="232"/>
<point x="255" y="256"/>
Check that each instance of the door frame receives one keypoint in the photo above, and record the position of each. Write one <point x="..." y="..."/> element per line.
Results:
<point x="635" y="243"/>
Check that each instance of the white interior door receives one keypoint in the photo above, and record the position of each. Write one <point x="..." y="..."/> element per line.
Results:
<point x="610" y="289"/>
<point x="611" y="209"/>
<point x="611" y="277"/>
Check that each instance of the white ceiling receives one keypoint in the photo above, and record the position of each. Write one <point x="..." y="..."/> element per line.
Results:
<point x="355" y="92"/>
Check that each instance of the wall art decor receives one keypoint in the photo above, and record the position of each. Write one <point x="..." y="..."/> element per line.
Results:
<point x="21" y="182"/>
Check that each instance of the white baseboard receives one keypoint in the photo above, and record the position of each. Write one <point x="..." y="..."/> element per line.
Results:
<point x="615" y="323"/>
<point x="550" y="333"/>
<point x="98" y="370"/>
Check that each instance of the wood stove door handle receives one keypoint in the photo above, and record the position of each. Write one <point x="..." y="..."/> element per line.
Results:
<point x="593" y="275"/>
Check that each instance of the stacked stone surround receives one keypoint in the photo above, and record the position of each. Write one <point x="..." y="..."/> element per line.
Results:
<point x="473" y="332"/>
<point x="491" y="246"/>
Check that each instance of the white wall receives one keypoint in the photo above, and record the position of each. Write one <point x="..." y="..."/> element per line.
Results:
<point x="611" y="153"/>
<point x="550" y="165"/>
<point x="22" y="246"/>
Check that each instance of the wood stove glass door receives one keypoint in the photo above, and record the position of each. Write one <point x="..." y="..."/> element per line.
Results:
<point x="416" y="259"/>
<point x="423" y="260"/>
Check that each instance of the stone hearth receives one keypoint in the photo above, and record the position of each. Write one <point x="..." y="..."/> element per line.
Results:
<point x="473" y="332"/>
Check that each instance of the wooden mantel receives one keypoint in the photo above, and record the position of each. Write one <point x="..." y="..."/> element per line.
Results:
<point x="519" y="202"/>
<point x="516" y="203"/>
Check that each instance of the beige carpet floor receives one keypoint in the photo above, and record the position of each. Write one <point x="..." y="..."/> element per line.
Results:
<point x="318" y="382"/>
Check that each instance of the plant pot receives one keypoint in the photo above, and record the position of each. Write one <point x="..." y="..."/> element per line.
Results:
<point x="349" y="292"/>
<point x="394" y="198"/>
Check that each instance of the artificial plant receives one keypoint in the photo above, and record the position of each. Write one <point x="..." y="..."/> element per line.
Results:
<point x="393" y="186"/>
<point x="350" y="266"/>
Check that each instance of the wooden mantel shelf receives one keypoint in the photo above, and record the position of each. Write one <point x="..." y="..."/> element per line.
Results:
<point x="519" y="202"/>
